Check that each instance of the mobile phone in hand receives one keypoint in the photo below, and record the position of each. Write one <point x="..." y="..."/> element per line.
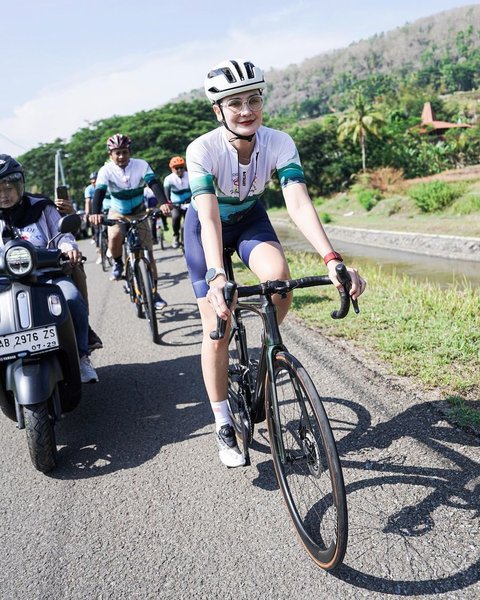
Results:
<point x="62" y="192"/>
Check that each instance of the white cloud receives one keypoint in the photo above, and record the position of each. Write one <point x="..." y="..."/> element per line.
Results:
<point x="145" y="82"/>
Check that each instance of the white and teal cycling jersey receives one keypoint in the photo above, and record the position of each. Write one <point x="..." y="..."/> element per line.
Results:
<point x="214" y="168"/>
<point x="125" y="185"/>
<point x="177" y="188"/>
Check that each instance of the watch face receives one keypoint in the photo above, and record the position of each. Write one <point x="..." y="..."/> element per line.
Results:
<point x="210" y="274"/>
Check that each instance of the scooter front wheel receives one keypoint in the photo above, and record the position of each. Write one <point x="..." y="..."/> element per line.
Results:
<point x="40" y="436"/>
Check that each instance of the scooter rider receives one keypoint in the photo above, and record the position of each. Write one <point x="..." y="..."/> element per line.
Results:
<point x="36" y="218"/>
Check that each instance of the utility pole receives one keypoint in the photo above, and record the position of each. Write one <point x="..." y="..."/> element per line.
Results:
<point x="59" y="174"/>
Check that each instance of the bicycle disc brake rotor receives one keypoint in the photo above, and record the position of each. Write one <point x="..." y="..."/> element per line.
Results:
<point x="311" y="453"/>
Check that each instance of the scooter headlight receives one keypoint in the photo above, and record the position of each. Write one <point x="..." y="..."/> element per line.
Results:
<point x="19" y="260"/>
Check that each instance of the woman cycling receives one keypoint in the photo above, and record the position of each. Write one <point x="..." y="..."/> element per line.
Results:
<point x="229" y="169"/>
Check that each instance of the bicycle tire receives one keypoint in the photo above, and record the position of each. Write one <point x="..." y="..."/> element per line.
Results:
<point x="161" y="239"/>
<point x="145" y="282"/>
<point x="306" y="462"/>
<point x="107" y="261"/>
<point x="131" y="289"/>
<point x="239" y="386"/>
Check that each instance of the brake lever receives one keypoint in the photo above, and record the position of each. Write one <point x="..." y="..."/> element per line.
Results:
<point x="228" y="294"/>
<point x="345" y="298"/>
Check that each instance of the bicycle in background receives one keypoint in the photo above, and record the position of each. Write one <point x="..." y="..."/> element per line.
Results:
<point x="138" y="272"/>
<point x="277" y="387"/>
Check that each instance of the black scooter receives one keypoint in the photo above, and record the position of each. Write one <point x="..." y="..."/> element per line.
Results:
<point x="39" y="363"/>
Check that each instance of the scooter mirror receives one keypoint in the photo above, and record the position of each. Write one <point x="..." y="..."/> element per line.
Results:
<point x="69" y="224"/>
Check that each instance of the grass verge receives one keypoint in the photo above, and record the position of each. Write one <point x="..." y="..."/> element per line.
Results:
<point x="418" y="330"/>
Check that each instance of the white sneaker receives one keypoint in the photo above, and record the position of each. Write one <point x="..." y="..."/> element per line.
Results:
<point x="99" y="260"/>
<point x="159" y="302"/>
<point x="228" y="450"/>
<point x="87" y="372"/>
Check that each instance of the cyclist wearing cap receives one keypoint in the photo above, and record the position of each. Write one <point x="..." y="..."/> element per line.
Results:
<point x="229" y="169"/>
<point x="125" y="178"/>
<point x="177" y="191"/>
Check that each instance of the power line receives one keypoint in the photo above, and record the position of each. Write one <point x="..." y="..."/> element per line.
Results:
<point x="12" y="142"/>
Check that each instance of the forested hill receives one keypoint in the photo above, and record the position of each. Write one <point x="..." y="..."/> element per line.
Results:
<point x="425" y="49"/>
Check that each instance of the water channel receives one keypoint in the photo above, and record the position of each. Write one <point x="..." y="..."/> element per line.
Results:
<point x="439" y="270"/>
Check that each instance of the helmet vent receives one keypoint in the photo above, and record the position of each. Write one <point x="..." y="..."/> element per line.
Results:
<point x="249" y="67"/>
<point x="239" y="71"/>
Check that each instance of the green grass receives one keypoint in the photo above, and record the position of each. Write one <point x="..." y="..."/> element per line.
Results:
<point x="418" y="330"/>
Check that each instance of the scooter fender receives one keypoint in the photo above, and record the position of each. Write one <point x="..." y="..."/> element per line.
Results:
<point x="33" y="382"/>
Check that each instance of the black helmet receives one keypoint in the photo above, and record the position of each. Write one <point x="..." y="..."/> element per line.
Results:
<point x="10" y="168"/>
<point x="93" y="175"/>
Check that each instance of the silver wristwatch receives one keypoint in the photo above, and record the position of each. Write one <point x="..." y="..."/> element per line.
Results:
<point x="213" y="273"/>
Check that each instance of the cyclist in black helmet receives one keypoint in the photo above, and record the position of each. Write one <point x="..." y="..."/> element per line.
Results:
<point x="36" y="217"/>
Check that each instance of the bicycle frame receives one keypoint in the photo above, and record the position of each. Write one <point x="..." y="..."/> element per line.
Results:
<point x="272" y="343"/>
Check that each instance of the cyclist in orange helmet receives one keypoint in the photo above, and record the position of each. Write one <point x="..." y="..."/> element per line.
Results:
<point x="177" y="191"/>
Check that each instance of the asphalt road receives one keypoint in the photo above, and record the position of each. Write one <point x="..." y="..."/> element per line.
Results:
<point x="140" y="506"/>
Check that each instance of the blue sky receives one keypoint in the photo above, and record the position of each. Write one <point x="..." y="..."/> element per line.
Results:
<point x="66" y="63"/>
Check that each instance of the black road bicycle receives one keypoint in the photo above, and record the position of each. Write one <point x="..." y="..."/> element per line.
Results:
<point x="138" y="273"/>
<point x="274" y="385"/>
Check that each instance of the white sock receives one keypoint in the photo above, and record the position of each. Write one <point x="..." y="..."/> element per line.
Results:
<point x="220" y="412"/>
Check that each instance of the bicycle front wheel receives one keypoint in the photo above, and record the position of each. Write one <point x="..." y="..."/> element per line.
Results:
<point x="306" y="462"/>
<point x="145" y="282"/>
<point x="107" y="261"/>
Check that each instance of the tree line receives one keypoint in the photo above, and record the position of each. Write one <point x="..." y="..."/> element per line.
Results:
<point x="377" y="127"/>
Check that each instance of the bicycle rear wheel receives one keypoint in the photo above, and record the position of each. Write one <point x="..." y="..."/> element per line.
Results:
<point x="240" y="386"/>
<point x="145" y="282"/>
<point x="306" y="462"/>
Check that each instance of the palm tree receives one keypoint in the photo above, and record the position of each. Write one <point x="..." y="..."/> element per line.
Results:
<point x="358" y="122"/>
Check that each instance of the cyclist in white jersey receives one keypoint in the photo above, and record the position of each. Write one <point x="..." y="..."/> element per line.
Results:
<point x="229" y="169"/>
<point x="125" y="178"/>
<point x="178" y="193"/>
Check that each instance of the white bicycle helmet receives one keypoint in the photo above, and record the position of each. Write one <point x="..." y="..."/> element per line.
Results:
<point x="231" y="76"/>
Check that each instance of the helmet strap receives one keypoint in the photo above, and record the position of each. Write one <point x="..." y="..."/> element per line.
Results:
<point x="238" y="136"/>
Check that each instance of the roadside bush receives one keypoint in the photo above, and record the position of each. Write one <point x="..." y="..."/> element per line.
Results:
<point x="366" y="197"/>
<point x="325" y="218"/>
<point x="435" y="195"/>
<point x="382" y="179"/>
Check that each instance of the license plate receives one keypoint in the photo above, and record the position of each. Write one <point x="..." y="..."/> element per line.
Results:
<point x="31" y="341"/>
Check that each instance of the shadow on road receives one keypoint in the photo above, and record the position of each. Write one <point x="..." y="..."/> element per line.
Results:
<point x="125" y="419"/>
<point x="414" y="521"/>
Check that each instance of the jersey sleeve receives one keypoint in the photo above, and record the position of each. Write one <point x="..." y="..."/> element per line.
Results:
<point x="167" y="186"/>
<point x="102" y="179"/>
<point x="148" y="174"/>
<point x="289" y="168"/>
<point x="199" y="167"/>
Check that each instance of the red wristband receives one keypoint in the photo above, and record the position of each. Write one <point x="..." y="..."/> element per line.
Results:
<point x="332" y="256"/>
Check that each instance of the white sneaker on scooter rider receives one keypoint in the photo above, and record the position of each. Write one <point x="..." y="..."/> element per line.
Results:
<point x="87" y="372"/>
